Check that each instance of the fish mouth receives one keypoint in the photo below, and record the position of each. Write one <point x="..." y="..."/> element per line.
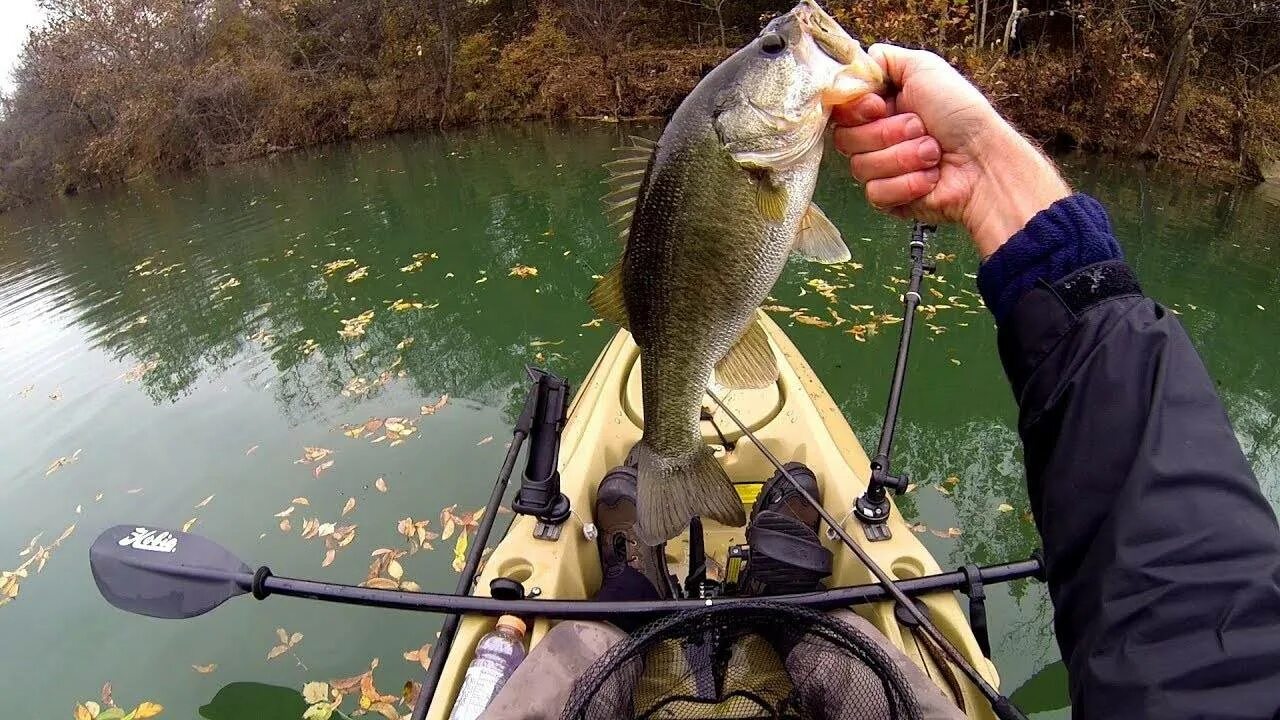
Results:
<point x="860" y="75"/>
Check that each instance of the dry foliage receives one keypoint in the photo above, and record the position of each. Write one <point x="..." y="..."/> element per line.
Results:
<point x="110" y="89"/>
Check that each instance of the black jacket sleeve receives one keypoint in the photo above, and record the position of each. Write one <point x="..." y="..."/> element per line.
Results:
<point x="1162" y="555"/>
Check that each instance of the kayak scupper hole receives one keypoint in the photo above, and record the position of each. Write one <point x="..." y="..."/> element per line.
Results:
<point x="517" y="569"/>
<point x="906" y="568"/>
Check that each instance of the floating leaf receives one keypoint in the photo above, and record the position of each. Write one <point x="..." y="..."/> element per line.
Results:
<point x="942" y="490"/>
<point x="287" y="511"/>
<point x="354" y="327"/>
<point x="147" y="709"/>
<point x="322" y="467"/>
<point x="285" y="525"/>
<point x="593" y="323"/>
<point x="358" y="274"/>
<point x="251" y="450"/>
<point x="404" y="305"/>
<point x="83" y="711"/>
<point x="395" y="570"/>
<point x="811" y="320"/>
<point x="485" y="440"/>
<point x="952" y="480"/>
<point x="919" y="527"/>
<point x="435" y="408"/>
<point x="300" y="501"/>
<point x="460" y="552"/>
<point x="380" y="485"/>
<point x="349" y="506"/>
<point x="524" y="271"/>
<point x="186" y="526"/>
<point x="205" y="669"/>
<point x="333" y="267"/>
<point x="204" y="502"/>
<point x="314" y="692"/>
<point x="1005" y="507"/>
<point x="329" y="555"/>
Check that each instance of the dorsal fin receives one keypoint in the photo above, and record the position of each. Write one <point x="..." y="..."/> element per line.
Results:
<point x="606" y="297"/>
<point x="625" y="181"/>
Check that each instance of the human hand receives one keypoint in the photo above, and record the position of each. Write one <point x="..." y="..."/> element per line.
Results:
<point x="939" y="152"/>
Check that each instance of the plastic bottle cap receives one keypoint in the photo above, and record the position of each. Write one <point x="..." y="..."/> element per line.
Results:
<point x="513" y="622"/>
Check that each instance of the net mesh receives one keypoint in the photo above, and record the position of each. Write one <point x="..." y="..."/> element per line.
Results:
<point x="745" y="659"/>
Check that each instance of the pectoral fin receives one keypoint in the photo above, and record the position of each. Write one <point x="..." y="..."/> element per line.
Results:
<point x="771" y="199"/>
<point x="819" y="240"/>
<point x="606" y="297"/>
<point x="749" y="363"/>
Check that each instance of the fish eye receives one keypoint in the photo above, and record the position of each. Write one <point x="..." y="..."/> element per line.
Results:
<point x="772" y="43"/>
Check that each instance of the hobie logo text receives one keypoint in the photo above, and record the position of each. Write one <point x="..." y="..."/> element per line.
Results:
<point x="153" y="540"/>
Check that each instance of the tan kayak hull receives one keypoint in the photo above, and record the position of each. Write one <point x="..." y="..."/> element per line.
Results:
<point x="797" y="420"/>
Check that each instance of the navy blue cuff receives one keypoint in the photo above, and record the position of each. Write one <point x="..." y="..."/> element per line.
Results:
<point x="1064" y="237"/>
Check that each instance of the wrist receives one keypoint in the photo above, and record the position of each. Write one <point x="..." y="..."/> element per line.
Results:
<point x="1015" y="181"/>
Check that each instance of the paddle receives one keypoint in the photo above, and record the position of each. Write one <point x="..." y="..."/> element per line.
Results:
<point x="165" y="573"/>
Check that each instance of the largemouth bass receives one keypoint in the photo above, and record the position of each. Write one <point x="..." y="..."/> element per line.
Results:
<point x="711" y="213"/>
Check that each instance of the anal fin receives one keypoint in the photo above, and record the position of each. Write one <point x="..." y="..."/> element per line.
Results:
<point x="819" y="240"/>
<point x="750" y="362"/>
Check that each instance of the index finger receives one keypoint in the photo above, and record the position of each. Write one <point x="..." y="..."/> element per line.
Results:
<point x="863" y="110"/>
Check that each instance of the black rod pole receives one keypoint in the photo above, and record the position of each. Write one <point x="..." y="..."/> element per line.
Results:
<point x="910" y="301"/>
<point x="440" y="652"/>
<point x="607" y="610"/>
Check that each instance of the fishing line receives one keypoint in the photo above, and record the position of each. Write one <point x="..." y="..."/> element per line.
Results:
<point x="1000" y="704"/>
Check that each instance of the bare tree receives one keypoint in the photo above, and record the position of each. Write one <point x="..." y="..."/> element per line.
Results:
<point x="603" y="26"/>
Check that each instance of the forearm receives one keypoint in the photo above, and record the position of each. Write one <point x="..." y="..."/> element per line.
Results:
<point x="1163" y="557"/>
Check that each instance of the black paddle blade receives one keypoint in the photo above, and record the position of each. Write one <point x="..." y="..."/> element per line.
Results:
<point x="165" y="573"/>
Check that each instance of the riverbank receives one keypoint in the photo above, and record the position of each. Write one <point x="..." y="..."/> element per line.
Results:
<point x="170" y="91"/>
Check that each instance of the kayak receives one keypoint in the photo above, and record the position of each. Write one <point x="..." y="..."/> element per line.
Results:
<point x="798" y="421"/>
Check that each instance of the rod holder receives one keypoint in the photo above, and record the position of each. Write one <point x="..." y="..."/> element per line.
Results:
<point x="872" y="507"/>
<point x="547" y="409"/>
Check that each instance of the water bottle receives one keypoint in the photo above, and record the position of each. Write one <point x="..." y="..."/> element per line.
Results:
<point x="497" y="655"/>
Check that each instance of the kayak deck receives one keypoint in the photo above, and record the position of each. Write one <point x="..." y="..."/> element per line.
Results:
<point x="797" y="420"/>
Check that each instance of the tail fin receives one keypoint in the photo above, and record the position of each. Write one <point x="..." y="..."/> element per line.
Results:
<point x="673" y="491"/>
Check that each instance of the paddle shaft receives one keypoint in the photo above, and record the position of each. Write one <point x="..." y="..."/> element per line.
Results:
<point x="1000" y="704"/>
<point x="440" y="651"/>
<point x="608" y="610"/>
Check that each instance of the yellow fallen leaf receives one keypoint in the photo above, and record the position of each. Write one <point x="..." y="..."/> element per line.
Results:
<point x="285" y="525"/>
<point x="942" y="490"/>
<point x="314" y="692"/>
<point x="358" y="274"/>
<point x="186" y="526"/>
<point x="322" y="467"/>
<point x="380" y="484"/>
<point x="460" y="552"/>
<point x="395" y="570"/>
<point x="592" y="323"/>
<point x="349" y="506"/>
<point x="204" y="502"/>
<point x="1005" y="507"/>
<point x="328" y="557"/>
<point x="286" y="512"/>
<point x="486" y="439"/>
<point x="483" y="279"/>
<point x="300" y="501"/>
<point x="205" y="669"/>
<point x="952" y="480"/>
<point x="147" y="709"/>
<point x="84" y="713"/>
<point x="524" y="271"/>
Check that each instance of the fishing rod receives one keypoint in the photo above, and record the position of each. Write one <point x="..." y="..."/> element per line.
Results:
<point x="1003" y="708"/>
<point x="176" y="575"/>
<point x="872" y="507"/>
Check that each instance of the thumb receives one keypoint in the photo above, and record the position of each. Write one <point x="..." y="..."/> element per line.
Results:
<point x="899" y="63"/>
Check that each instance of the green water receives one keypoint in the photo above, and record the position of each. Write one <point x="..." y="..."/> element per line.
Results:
<point x="164" y="411"/>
